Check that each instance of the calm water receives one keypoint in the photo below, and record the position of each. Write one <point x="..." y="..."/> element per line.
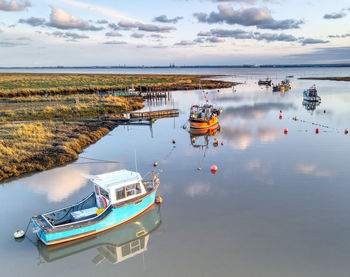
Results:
<point x="278" y="206"/>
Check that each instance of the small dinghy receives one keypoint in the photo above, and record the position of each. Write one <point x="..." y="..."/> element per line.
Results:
<point x="311" y="95"/>
<point x="118" y="197"/>
<point x="266" y="82"/>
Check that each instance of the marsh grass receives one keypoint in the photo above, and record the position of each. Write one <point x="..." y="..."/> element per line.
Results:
<point x="27" y="84"/>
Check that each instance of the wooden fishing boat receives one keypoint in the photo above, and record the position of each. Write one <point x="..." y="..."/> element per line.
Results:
<point x="118" y="197"/>
<point x="115" y="246"/>
<point x="203" y="116"/>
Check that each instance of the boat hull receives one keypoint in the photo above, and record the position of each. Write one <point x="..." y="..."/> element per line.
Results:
<point x="199" y="124"/>
<point x="116" y="217"/>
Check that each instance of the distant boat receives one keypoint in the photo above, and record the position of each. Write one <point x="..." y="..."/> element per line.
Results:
<point x="311" y="94"/>
<point x="283" y="86"/>
<point x="266" y="82"/>
<point x="290" y="76"/>
<point x="203" y="116"/>
<point x="118" y="197"/>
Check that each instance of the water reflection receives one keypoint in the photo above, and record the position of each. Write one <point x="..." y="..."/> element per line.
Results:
<point x="311" y="106"/>
<point x="114" y="246"/>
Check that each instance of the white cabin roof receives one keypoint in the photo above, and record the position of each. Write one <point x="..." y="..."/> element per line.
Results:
<point x="116" y="179"/>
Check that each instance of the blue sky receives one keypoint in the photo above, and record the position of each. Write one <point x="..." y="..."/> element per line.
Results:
<point x="184" y="32"/>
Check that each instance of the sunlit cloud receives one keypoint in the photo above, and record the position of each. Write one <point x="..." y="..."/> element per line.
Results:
<point x="198" y="189"/>
<point x="58" y="184"/>
<point x="14" y="5"/>
<point x="313" y="170"/>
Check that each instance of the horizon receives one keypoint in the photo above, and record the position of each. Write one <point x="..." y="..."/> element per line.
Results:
<point x="78" y="33"/>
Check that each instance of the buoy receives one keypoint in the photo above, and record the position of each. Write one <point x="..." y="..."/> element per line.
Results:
<point x="296" y="118"/>
<point x="216" y="141"/>
<point x="18" y="234"/>
<point x="184" y="127"/>
<point x="159" y="200"/>
<point x="280" y="116"/>
<point x="199" y="168"/>
<point x="346" y="131"/>
<point x="324" y="111"/>
<point x="193" y="140"/>
<point x="286" y="130"/>
<point x="174" y="141"/>
<point x="222" y="143"/>
<point x="317" y="130"/>
<point x="214" y="169"/>
<point x="280" y="111"/>
<point x="155" y="164"/>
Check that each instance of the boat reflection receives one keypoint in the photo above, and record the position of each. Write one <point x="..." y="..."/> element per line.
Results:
<point x="115" y="246"/>
<point x="200" y="137"/>
<point x="311" y="105"/>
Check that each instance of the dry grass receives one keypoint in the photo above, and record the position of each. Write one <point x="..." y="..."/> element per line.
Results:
<point x="28" y="147"/>
<point x="27" y="84"/>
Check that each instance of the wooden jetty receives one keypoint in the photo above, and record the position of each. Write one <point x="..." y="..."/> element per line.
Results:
<point x="153" y="94"/>
<point x="155" y="114"/>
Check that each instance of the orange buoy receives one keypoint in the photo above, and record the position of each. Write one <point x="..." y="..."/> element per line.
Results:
<point x="317" y="130"/>
<point x="155" y="164"/>
<point x="286" y="130"/>
<point x="214" y="169"/>
<point x="159" y="200"/>
<point x="280" y="116"/>
<point x="346" y="131"/>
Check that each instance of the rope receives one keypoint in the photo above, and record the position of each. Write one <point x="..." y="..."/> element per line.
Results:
<point x="27" y="227"/>
<point x="105" y="161"/>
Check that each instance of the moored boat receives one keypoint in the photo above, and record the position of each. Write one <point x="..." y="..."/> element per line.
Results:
<point x="118" y="197"/>
<point x="311" y="94"/>
<point x="266" y="82"/>
<point x="203" y="116"/>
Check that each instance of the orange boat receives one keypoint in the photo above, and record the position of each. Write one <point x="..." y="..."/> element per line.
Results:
<point x="203" y="116"/>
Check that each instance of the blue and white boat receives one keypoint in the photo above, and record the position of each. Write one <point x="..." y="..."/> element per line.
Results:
<point x="118" y="197"/>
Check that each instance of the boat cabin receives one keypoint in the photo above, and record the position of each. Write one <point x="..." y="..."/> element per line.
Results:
<point x="204" y="112"/>
<point x="116" y="187"/>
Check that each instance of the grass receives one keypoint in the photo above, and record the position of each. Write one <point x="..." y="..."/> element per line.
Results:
<point x="27" y="84"/>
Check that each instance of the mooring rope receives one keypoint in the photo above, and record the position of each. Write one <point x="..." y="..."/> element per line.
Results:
<point x="104" y="161"/>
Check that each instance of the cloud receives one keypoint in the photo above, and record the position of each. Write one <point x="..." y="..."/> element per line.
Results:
<point x="215" y="40"/>
<point x="14" y="5"/>
<point x="307" y="41"/>
<point x="238" y="34"/>
<point x="236" y="1"/>
<point x="313" y="170"/>
<point x="102" y="21"/>
<point x="113" y="34"/>
<point x="259" y="17"/>
<point x="63" y="20"/>
<point x="115" y="42"/>
<point x="11" y="44"/>
<point x="324" y="55"/>
<point x="334" y="15"/>
<point x="340" y="36"/>
<point x="198" y="189"/>
<point x="274" y="37"/>
<point x="33" y="21"/>
<point x="68" y="35"/>
<point x="155" y="28"/>
<point x="137" y="35"/>
<point x="113" y="26"/>
<point x="184" y="43"/>
<point x="128" y="24"/>
<point x="164" y="19"/>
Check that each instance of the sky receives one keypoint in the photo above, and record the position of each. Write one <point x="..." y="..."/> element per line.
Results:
<point x="181" y="32"/>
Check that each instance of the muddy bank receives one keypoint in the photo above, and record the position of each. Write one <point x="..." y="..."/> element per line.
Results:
<point x="327" y="78"/>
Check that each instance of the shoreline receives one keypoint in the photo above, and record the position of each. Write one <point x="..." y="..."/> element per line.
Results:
<point x="345" y="79"/>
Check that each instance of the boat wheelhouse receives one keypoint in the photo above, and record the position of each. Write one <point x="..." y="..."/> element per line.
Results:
<point x="118" y="197"/>
<point x="266" y="82"/>
<point x="203" y="116"/>
<point x="311" y="94"/>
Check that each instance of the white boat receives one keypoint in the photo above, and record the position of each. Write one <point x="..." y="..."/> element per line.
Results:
<point x="311" y="94"/>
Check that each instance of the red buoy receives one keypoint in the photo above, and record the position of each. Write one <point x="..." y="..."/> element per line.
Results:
<point x="280" y="117"/>
<point x="286" y="130"/>
<point x="214" y="169"/>
<point x="317" y="130"/>
<point x="346" y="131"/>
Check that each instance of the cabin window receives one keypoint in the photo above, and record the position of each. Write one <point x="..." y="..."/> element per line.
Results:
<point x="120" y="193"/>
<point x="133" y="247"/>
<point x="104" y="193"/>
<point x="133" y="189"/>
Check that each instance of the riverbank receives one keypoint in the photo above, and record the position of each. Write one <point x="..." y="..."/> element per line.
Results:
<point x="347" y="79"/>
<point x="46" y="120"/>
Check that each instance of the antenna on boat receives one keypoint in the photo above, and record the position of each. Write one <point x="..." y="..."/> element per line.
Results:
<point x="135" y="160"/>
